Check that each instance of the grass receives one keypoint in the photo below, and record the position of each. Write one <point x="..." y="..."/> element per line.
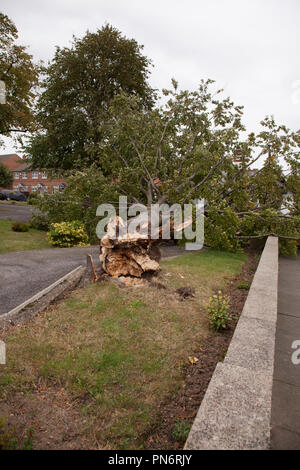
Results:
<point x="121" y="353"/>
<point x="181" y="430"/>
<point x="20" y="241"/>
<point x="19" y="203"/>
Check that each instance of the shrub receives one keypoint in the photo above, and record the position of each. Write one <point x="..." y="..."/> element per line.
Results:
<point x="33" y="198"/>
<point x="218" y="311"/>
<point x="66" y="234"/>
<point x="181" y="430"/>
<point x="40" y="222"/>
<point x="20" y="227"/>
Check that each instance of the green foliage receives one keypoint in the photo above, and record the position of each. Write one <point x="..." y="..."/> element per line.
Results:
<point x="189" y="148"/>
<point x="78" y="86"/>
<point x="39" y="221"/>
<point x="67" y="234"/>
<point x="29" y="438"/>
<point x="58" y="207"/>
<point x="221" y="226"/>
<point x="20" y="76"/>
<point x="8" y="439"/>
<point x="6" y="177"/>
<point x="288" y="247"/>
<point x="20" y="227"/>
<point x="181" y="430"/>
<point x="218" y="311"/>
<point x="33" y="198"/>
<point x="243" y="286"/>
<point x="84" y="192"/>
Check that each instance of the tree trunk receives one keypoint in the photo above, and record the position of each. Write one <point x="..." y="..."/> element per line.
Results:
<point x="132" y="254"/>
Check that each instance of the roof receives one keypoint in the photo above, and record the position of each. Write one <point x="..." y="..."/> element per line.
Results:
<point x="8" y="155"/>
<point x="22" y="167"/>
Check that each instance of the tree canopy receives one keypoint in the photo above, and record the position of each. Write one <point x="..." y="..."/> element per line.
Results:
<point x="20" y="76"/>
<point x="6" y="177"/>
<point x="78" y="86"/>
<point x="195" y="146"/>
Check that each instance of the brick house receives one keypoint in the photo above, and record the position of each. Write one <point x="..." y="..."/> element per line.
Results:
<point x="26" y="180"/>
<point x="10" y="161"/>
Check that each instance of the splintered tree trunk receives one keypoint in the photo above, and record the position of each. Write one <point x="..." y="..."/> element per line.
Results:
<point x="129" y="255"/>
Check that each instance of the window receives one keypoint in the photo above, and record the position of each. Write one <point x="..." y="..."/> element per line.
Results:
<point x="16" y="175"/>
<point x="34" y="189"/>
<point x="44" y="175"/>
<point x="24" y="175"/>
<point x="35" y="175"/>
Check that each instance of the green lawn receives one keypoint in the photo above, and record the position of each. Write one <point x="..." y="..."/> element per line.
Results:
<point x="21" y="241"/>
<point x="119" y="352"/>
<point x="19" y="203"/>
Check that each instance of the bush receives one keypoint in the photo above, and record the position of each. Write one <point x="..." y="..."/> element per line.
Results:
<point x="33" y="198"/>
<point x="66" y="234"/>
<point x="218" y="311"/>
<point x="20" y="227"/>
<point x="84" y="192"/>
<point x="40" y="222"/>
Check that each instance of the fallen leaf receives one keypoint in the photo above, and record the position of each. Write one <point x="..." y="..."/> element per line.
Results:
<point x="193" y="360"/>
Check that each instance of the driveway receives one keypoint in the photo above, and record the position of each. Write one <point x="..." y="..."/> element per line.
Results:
<point x="25" y="273"/>
<point x="16" y="212"/>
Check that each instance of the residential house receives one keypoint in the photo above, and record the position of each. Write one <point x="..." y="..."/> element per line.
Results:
<point x="29" y="181"/>
<point x="11" y="161"/>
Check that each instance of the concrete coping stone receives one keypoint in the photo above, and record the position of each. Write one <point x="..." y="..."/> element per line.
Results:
<point x="235" y="412"/>
<point x="42" y="299"/>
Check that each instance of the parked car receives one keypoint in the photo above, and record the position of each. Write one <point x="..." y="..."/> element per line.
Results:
<point x="17" y="196"/>
<point x="4" y="194"/>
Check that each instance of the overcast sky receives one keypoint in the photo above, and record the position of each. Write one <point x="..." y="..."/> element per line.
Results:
<point x="250" y="47"/>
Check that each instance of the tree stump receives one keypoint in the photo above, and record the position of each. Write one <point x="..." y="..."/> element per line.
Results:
<point x="132" y="254"/>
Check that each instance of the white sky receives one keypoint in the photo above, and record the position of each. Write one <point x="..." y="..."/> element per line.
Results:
<point x="250" y="47"/>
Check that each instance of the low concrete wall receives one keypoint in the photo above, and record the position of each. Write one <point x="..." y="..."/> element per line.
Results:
<point x="235" y="412"/>
<point x="42" y="299"/>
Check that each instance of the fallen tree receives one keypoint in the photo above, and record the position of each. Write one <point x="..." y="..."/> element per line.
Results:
<point x="127" y="252"/>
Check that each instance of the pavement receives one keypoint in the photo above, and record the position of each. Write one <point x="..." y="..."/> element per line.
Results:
<point x="16" y="212"/>
<point x="285" y="421"/>
<point x="24" y="274"/>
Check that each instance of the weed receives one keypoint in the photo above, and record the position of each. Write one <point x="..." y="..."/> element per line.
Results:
<point x="181" y="430"/>
<point x="243" y="286"/>
<point x="218" y="311"/>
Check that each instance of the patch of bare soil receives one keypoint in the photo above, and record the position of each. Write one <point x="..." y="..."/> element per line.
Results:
<point x="55" y="422"/>
<point x="184" y="406"/>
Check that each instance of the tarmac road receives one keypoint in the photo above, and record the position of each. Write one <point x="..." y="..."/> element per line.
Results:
<point x="16" y="212"/>
<point x="25" y="273"/>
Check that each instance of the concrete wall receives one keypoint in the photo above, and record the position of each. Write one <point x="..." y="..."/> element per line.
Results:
<point x="236" y="410"/>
